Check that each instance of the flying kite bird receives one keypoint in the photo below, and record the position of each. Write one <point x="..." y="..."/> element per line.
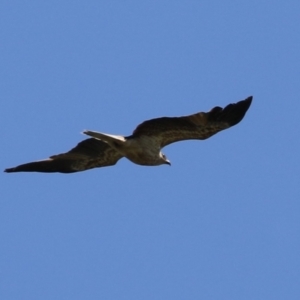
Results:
<point x="144" y="146"/>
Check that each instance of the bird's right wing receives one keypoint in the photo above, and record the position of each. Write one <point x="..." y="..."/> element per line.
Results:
<point x="88" y="154"/>
<point x="200" y="126"/>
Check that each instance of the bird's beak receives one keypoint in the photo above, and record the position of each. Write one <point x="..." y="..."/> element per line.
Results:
<point x="168" y="162"/>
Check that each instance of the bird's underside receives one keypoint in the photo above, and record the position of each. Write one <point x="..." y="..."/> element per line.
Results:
<point x="144" y="146"/>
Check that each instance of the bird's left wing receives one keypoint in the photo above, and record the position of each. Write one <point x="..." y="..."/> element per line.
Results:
<point x="88" y="154"/>
<point x="198" y="126"/>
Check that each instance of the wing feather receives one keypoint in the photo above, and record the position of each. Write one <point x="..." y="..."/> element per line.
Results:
<point x="198" y="126"/>
<point x="88" y="154"/>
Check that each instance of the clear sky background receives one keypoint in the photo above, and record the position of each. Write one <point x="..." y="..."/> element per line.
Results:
<point x="222" y="222"/>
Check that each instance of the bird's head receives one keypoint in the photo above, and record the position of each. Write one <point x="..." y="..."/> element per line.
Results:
<point x="164" y="159"/>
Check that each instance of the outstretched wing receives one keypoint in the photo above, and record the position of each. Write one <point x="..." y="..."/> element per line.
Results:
<point x="88" y="154"/>
<point x="199" y="126"/>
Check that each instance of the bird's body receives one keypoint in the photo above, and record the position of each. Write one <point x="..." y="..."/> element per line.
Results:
<point x="142" y="150"/>
<point x="144" y="146"/>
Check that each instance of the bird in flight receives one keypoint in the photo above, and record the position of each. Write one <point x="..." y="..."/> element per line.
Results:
<point x="144" y="146"/>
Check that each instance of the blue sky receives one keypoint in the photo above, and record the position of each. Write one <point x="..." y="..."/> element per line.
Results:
<point x="222" y="222"/>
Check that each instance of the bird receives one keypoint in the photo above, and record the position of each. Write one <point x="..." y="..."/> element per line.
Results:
<point x="143" y="146"/>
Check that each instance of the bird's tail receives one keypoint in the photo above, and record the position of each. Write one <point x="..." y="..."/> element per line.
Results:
<point x="111" y="139"/>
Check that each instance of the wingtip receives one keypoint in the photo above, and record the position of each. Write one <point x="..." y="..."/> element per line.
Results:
<point x="247" y="102"/>
<point x="234" y="113"/>
<point x="249" y="99"/>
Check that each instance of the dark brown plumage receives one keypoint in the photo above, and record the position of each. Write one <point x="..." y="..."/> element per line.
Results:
<point x="144" y="145"/>
<point x="88" y="154"/>
<point x="199" y="126"/>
